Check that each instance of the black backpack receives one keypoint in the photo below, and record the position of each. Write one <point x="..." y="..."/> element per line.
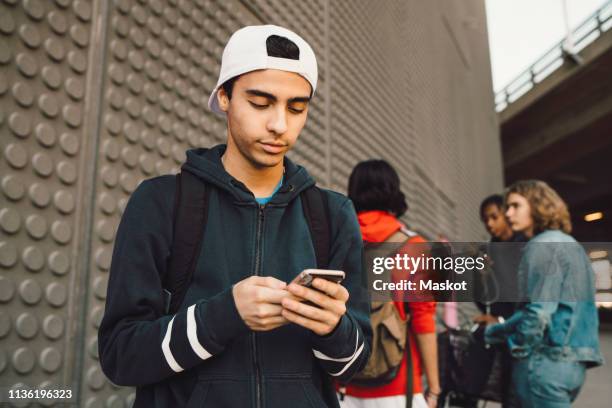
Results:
<point x="190" y="215"/>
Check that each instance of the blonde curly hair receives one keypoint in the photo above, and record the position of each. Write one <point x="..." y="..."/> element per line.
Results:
<point x="548" y="209"/>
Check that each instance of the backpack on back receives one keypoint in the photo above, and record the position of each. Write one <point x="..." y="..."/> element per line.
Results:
<point x="390" y="341"/>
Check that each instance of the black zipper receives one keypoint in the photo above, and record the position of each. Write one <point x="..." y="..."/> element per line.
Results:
<point x="260" y="221"/>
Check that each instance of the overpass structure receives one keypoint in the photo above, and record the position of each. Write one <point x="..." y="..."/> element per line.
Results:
<point x="556" y="124"/>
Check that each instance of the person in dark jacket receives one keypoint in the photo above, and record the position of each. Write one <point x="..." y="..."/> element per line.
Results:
<point x="499" y="283"/>
<point x="502" y="283"/>
<point x="243" y="337"/>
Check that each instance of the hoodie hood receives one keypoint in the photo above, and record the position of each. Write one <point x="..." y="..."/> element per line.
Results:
<point x="206" y="164"/>
<point x="377" y="226"/>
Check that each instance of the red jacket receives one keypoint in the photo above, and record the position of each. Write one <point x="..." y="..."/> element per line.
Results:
<point x="377" y="226"/>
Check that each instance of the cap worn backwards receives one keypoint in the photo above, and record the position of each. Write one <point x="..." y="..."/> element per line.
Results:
<point x="247" y="51"/>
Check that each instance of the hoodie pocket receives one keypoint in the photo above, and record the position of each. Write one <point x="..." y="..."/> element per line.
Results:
<point x="294" y="393"/>
<point x="196" y="400"/>
<point x="221" y="394"/>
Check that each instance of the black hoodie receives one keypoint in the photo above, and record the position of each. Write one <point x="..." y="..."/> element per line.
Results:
<point x="205" y="355"/>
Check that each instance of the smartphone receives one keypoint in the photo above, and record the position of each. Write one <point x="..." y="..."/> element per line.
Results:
<point x="306" y="277"/>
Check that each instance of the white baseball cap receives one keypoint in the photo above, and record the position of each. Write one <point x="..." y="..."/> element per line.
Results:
<point x="246" y="51"/>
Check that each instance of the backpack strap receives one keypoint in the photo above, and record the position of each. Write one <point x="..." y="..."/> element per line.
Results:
<point x="409" y="233"/>
<point x="397" y="237"/>
<point x="406" y="236"/>
<point x="190" y="215"/>
<point x="409" y="374"/>
<point x="316" y="211"/>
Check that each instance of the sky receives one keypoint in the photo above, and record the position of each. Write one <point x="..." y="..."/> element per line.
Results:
<point x="521" y="31"/>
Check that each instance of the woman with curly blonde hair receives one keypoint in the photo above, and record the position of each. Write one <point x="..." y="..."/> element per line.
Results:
<point x="553" y="336"/>
<point x="548" y="210"/>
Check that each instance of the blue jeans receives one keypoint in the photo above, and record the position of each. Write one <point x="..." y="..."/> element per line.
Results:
<point x="544" y="383"/>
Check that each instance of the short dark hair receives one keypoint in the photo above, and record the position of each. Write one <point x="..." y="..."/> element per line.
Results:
<point x="276" y="46"/>
<point x="494" y="199"/>
<point x="375" y="185"/>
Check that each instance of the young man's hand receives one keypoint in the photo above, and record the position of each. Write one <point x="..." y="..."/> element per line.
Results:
<point x="330" y="300"/>
<point x="258" y="300"/>
<point x="486" y="319"/>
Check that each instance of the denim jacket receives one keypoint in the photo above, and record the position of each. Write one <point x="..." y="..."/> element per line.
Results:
<point x="559" y="318"/>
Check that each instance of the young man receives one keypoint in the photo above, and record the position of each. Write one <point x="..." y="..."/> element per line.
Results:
<point x="494" y="220"/>
<point x="242" y="336"/>
<point x="502" y="284"/>
<point x="505" y="258"/>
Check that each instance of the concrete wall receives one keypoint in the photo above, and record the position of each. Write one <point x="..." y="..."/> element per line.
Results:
<point x="96" y="96"/>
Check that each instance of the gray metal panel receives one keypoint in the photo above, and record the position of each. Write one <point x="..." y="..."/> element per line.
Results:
<point x="43" y="68"/>
<point x="97" y="96"/>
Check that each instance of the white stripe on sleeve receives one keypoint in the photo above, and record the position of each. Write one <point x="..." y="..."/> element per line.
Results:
<point x="322" y="356"/>
<point x="192" y="334"/>
<point x="350" y="363"/>
<point x="166" y="350"/>
<point x="348" y="360"/>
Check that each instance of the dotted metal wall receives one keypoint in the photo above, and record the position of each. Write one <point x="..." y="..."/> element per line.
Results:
<point x="44" y="50"/>
<point x="457" y="159"/>
<point x="96" y="96"/>
<point x="408" y="82"/>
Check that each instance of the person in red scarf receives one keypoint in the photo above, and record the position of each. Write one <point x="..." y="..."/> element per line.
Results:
<point x="374" y="188"/>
